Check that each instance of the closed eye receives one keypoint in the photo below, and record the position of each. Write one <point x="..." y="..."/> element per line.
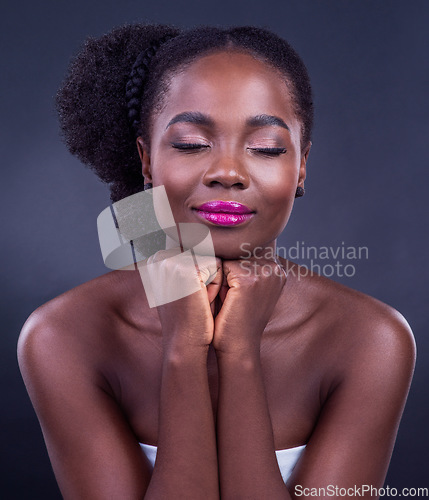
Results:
<point x="269" y="151"/>
<point x="189" y="147"/>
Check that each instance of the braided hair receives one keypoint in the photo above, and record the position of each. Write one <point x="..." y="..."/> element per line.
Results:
<point x="117" y="83"/>
<point x="134" y="89"/>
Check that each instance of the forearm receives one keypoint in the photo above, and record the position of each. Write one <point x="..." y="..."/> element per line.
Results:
<point x="247" y="461"/>
<point x="186" y="464"/>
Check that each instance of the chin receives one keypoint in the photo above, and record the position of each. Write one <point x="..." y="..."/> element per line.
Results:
<point x="228" y="255"/>
<point x="234" y="250"/>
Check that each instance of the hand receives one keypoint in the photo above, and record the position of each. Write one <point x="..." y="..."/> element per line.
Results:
<point x="184" y="303"/>
<point x="250" y="290"/>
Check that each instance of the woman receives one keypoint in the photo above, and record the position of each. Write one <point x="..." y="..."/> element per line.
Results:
<point x="264" y="369"/>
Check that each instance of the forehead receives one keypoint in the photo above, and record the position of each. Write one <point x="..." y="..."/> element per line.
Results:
<point x="233" y="81"/>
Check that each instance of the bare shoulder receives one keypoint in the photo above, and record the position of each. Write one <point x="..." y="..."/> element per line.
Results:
<point x="79" y="323"/>
<point x="65" y="351"/>
<point x="86" y="303"/>
<point x="362" y="327"/>
<point x="362" y="352"/>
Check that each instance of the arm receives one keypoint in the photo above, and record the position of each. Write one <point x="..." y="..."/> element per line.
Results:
<point x="353" y="439"/>
<point x="186" y="464"/>
<point x="63" y="353"/>
<point x="355" y="434"/>
<point x="93" y="451"/>
<point x="247" y="461"/>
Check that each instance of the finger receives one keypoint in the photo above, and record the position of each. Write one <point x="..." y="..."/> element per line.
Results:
<point x="222" y="292"/>
<point x="216" y="306"/>
<point x="215" y="284"/>
<point x="232" y="269"/>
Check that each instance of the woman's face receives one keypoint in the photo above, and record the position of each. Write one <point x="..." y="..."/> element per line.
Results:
<point x="228" y="133"/>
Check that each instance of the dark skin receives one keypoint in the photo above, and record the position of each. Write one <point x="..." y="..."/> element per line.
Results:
<point x="253" y="363"/>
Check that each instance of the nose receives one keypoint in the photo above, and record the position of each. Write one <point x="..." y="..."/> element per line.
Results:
<point x="227" y="171"/>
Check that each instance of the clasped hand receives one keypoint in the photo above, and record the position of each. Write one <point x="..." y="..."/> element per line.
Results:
<point x="230" y="312"/>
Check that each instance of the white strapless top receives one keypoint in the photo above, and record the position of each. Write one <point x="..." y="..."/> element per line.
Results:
<point x="286" y="458"/>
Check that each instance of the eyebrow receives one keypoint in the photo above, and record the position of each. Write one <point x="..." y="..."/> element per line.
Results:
<point x="192" y="117"/>
<point x="198" y="118"/>
<point x="266" y="121"/>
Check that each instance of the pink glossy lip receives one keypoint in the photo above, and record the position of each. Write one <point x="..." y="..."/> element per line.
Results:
<point x="224" y="213"/>
<point x="228" y="207"/>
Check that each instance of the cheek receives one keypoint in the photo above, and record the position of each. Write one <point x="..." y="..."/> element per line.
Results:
<point x="177" y="184"/>
<point x="164" y="173"/>
<point x="281" y="208"/>
<point x="279" y="186"/>
<point x="278" y="199"/>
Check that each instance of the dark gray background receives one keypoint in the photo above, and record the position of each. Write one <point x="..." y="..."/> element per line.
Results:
<point x="366" y="182"/>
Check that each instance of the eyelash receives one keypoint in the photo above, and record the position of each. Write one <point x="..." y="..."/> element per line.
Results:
<point x="195" y="147"/>
<point x="189" y="147"/>
<point x="269" y="151"/>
